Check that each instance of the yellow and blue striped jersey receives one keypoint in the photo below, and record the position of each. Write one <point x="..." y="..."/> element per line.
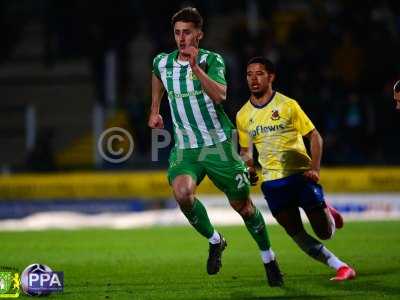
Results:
<point x="276" y="130"/>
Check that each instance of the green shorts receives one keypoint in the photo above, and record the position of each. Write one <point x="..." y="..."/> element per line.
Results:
<point x="219" y="162"/>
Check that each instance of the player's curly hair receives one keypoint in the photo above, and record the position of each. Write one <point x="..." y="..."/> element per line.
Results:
<point x="188" y="14"/>
<point x="269" y="65"/>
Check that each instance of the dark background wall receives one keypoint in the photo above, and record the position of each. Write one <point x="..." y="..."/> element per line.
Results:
<point x="339" y="59"/>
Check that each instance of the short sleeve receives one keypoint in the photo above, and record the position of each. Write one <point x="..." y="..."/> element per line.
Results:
<point x="216" y="68"/>
<point x="300" y="120"/>
<point x="244" y="138"/>
<point x="156" y="62"/>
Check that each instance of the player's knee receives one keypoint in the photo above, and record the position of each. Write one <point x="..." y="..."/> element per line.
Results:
<point x="237" y="206"/>
<point x="184" y="195"/>
<point x="245" y="209"/>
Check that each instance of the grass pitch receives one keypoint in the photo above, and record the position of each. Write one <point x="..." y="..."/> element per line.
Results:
<point x="169" y="263"/>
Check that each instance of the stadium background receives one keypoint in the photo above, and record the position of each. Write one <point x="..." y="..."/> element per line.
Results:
<point x="71" y="69"/>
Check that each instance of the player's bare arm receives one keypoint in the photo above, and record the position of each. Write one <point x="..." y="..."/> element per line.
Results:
<point x="157" y="92"/>
<point x="316" y="143"/>
<point x="216" y="91"/>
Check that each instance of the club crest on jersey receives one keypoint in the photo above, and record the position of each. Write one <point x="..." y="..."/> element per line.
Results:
<point x="275" y="115"/>
<point x="192" y="76"/>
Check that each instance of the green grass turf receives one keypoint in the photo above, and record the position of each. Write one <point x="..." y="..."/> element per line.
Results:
<point x="169" y="263"/>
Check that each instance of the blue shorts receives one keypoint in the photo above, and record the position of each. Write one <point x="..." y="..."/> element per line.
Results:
<point x="293" y="191"/>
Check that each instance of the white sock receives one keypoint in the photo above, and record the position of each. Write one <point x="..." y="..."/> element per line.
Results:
<point x="332" y="261"/>
<point x="267" y="256"/>
<point x="215" y="238"/>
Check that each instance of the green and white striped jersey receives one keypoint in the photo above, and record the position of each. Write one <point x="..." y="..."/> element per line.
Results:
<point x="197" y="120"/>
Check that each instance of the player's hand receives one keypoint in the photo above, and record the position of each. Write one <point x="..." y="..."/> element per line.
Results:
<point x="155" y="121"/>
<point x="191" y="53"/>
<point x="312" y="175"/>
<point x="253" y="177"/>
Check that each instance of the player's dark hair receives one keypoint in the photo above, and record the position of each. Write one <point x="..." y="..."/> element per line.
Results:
<point x="269" y="65"/>
<point x="396" y="87"/>
<point x="188" y="14"/>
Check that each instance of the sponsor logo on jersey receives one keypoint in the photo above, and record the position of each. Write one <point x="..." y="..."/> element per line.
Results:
<point x="184" y="95"/>
<point x="266" y="129"/>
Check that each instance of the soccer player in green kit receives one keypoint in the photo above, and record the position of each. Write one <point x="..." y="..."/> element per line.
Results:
<point x="194" y="80"/>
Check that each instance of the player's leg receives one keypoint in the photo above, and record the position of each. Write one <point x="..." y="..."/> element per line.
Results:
<point x="184" y="187"/>
<point x="290" y="220"/>
<point x="318" y="251"/>
<point x="229" y="174"/>
<point x="184" y="174"/>
<point x="255" y="224"/>
<point x="283" y="197"/>
<point x="287" y="215"/>
<point x="311" y="199"/>
<point x="323" y="224"/>
<point x="195" y="212"/>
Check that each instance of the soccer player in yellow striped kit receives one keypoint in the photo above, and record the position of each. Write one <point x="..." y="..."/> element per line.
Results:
<point x="276" y="125"/>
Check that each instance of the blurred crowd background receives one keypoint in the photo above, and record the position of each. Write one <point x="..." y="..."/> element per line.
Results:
<point x="70" y="69"/>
